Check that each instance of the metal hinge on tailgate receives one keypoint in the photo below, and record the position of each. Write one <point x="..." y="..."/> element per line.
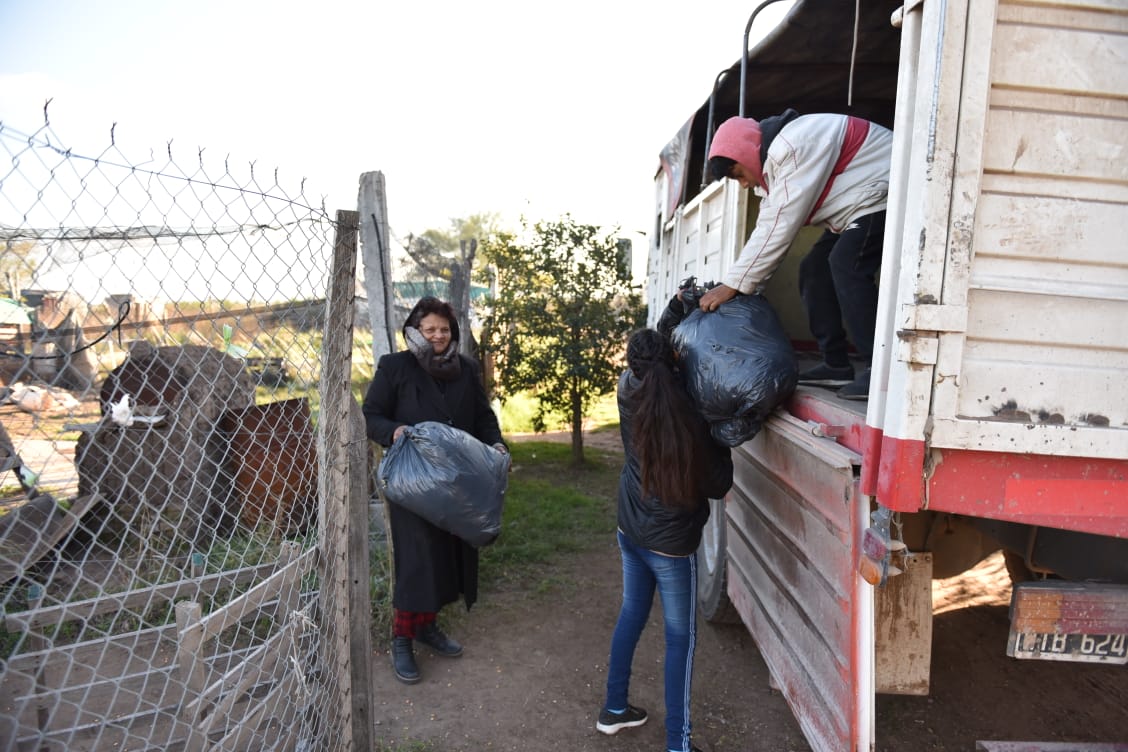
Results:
<point x="919" y="326"/>
<point x="933" y="317"/>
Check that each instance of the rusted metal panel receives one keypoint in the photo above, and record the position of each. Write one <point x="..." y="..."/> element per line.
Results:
<point x="823" y="719"/>
<point x="789" y="585"/>
<point x="845" y="421"/>
<point x="809" y="465"/>
<point x="791" y="573"/>
<point x="801" y="528"/>
<point x="274" y="462"/>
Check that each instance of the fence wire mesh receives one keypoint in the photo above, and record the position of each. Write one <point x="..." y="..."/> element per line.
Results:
<point x="159" y="360"/>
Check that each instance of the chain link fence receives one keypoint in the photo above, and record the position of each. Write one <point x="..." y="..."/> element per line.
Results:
<point x="162" y="553"/>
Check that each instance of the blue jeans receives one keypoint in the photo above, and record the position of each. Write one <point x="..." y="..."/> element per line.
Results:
<point x="676" y="580"/>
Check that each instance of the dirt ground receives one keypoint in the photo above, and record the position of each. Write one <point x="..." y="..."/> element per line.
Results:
<point x="533" y="672"/>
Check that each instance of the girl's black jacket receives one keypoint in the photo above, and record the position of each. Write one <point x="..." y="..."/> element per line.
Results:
<point x="647" y="522"/>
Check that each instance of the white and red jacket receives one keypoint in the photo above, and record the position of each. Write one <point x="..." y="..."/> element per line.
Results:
<point x="825" y="170"/>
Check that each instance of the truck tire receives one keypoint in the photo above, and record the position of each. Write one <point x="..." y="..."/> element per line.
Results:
<point x="712" y="595"/>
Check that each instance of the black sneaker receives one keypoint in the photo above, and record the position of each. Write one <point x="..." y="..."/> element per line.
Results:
<point x="858" y="389"/>
<point x="824" y="375"/>
<point x="613" y="723"/>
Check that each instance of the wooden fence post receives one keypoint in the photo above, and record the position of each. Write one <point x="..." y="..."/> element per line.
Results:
<point x="343" y="488"/>
<point x="372" y="215"/>
<point x="35" y="643"/>
<point x="189" y="641"/>
<point x="291" y="591"/>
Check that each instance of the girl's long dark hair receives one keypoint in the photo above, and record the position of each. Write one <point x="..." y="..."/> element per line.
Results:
<point x="668" y="433"/>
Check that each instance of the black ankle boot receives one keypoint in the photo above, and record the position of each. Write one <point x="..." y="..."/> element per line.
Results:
<point x="403" y="660"/>
<point x="436" y="639"/>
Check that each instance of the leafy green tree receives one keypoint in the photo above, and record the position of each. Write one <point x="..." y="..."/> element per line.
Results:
<point x="560" y="318"/>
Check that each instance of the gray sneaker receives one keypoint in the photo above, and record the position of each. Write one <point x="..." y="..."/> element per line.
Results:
<point x="613" y="723"/>
<point x="824" y="375"/>
<point x="858" y="389"/>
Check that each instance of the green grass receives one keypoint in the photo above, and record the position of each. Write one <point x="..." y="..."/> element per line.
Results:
<point x="550" y="508"/>
<point x="517" y="415"/>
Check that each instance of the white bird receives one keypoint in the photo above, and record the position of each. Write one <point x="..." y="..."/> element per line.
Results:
<point x="121" y="412"/>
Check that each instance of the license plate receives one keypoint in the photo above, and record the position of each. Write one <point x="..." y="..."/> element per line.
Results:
<point x="1055" y="620"/>
<point x="1106" y="648"/>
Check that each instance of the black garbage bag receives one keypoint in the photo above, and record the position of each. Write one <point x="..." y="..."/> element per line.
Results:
<point x="449" y="478"/>
<point x="738" y="365"/>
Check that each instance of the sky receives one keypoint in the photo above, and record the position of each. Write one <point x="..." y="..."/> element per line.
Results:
<point x="517" y="108"/>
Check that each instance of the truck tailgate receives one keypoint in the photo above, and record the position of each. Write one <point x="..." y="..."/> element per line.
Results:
<point x="794" y="527"/>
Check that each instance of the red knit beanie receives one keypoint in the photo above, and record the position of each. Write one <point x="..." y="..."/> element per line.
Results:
<point x="739" y="139"/>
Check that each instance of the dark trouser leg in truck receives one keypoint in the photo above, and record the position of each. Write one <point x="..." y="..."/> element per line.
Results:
<point x="838" y="284"/>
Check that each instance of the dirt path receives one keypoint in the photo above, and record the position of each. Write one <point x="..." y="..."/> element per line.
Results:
<point x="533" y="673"/>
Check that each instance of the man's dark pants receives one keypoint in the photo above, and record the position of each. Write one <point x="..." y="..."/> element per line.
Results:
<point x="838" y="284"/>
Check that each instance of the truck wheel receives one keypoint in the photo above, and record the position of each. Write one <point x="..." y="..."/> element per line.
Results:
<point x="712" y="596"/>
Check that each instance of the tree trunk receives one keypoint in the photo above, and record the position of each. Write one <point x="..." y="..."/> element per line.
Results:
<point x="577" y="428"/>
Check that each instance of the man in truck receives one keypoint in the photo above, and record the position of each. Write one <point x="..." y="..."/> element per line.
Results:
<point x="826" y="170"/>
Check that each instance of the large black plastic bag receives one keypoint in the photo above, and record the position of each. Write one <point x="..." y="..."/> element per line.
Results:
<point x="449" y="478"/>
<point x="738" y="363"/>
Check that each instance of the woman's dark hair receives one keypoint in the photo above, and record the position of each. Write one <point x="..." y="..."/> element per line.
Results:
<point x="721" y="167"/>
<point x="428" y="305"/>
<point x="668" y="433"/>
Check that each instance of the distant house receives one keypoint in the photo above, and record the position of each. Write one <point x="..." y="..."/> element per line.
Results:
<point x="411" y="291"/>
<point x="15" y="320"/>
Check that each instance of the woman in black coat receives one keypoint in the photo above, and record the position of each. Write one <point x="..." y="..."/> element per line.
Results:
<point x="430" y="381"/>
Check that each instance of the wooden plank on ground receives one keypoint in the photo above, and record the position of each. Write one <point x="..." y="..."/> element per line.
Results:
<point x="259" y="667"/>
<point x="134" y="600"/>
<point x="146" y="731"/>
<point x="255" y="599"/>
<point x="30" y="531"/>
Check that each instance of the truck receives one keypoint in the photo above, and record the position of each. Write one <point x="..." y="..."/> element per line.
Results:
<point x="997" y="418"/>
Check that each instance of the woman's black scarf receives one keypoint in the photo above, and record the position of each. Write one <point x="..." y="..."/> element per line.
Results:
<point x="444" y="367"/>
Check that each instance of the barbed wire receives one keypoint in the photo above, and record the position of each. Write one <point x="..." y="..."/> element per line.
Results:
<point x="143" y="232"/>
<point x="34" y="140"/>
